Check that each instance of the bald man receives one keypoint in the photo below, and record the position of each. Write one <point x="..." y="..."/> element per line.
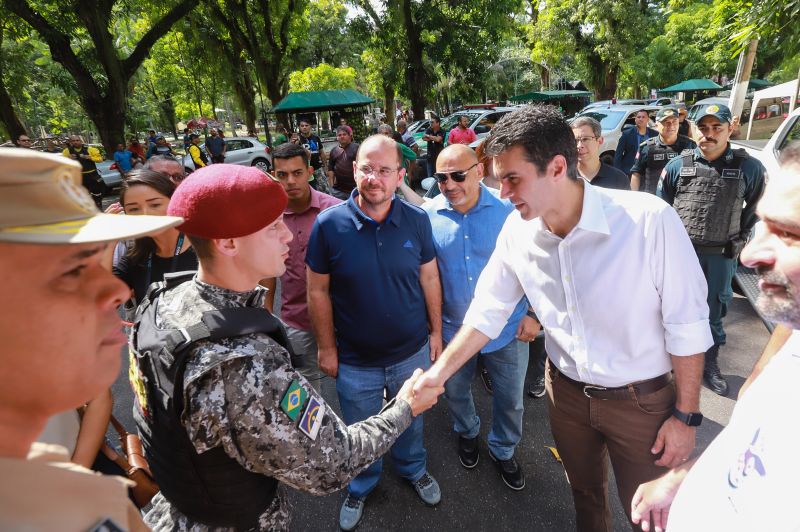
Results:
<point x="466" y="219"/>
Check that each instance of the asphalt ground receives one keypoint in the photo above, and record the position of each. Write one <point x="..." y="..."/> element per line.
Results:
<point x="478" y="499"/>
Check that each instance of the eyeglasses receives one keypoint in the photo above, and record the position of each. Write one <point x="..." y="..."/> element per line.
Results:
<point x="383" y="171"/>
<point x="583" y="140"/>
<point x="458" y="177"/>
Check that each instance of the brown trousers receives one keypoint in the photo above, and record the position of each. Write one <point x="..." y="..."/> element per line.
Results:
<point x="589" y="431"/>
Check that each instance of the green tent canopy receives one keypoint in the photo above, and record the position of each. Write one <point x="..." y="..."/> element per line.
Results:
<point x="692" y="85"/>
<point x="301" y="102"/>
<point x="544" y="96"/>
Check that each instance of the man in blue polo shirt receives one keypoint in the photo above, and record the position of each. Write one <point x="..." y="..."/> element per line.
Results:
<point x="466" y="219"/>
<point x="375" y="306"/>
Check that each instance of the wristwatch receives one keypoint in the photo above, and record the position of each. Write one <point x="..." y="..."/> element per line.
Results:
<point x="692" y="419"/>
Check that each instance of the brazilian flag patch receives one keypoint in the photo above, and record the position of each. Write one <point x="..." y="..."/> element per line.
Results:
<point x="293" y="399"/>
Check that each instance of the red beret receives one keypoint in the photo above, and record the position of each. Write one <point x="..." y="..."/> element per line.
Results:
<point x="227" y="201"/>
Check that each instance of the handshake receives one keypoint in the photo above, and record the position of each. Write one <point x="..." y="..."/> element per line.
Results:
<point x="421" y="390"/>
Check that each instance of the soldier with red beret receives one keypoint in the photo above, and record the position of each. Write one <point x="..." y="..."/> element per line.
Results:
<point x="225" y="418"/>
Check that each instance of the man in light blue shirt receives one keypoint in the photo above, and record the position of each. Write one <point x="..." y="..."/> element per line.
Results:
<point x="466" y="219"/>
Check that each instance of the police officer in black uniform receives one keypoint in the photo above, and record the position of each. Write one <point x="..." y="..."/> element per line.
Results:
<point x="715" y="189"/>
<point x="656" y="152"/>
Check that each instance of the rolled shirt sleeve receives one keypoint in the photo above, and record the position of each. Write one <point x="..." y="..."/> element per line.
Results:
<point x="682" y="286"/>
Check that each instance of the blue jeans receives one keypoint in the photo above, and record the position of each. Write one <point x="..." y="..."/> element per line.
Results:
<point x="360" y="391"/>
<point x="507" y="367"/>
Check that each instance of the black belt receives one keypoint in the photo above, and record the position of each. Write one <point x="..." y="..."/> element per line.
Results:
<point x="645" y="387"/>
<point x="710" y="250"/>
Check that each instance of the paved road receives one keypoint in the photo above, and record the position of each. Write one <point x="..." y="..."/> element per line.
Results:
<point x="478" y="499"/>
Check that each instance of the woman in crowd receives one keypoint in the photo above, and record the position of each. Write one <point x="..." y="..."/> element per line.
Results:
<point x="148" y="258"/>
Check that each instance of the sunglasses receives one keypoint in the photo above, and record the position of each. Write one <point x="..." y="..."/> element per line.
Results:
<point x="458" y="177"/>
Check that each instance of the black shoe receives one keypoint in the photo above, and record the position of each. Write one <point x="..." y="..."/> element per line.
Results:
<point x="712" y="375"/>
<point x="468" y="451"/>
<point x="486" y="379"/>
<point x="537" y="388"/>
<point x="510" y="472"/>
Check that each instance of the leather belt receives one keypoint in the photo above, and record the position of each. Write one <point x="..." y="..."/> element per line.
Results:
<point x="710" y="250"/>
<point x="645" y="387"/>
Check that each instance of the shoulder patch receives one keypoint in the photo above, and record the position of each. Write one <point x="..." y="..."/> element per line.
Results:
<point x="312" y="418"/>
<point x="293" y="400"/>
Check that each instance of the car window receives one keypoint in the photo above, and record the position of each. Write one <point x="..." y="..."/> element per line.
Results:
<point x="490" y="120"/>
<point x="238" y="144"/>
<point x="792" y="135"/>
<point x="609" y="120"/>
<point x="452" y="120"/>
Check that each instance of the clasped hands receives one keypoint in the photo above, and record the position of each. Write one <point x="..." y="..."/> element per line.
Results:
<point x="422" y="390"/>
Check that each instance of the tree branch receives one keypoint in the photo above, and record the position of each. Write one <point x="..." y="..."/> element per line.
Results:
<point x="132" y="63"/>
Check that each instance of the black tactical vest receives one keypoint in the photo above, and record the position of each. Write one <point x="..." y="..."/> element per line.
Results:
<point x="710" y="202"/>
<point x="658" y="155"/>
<point x="87" y="165"/>
<point x="211" y="487"/>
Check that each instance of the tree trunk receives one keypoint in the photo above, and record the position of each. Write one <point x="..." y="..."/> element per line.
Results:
<point x="416" y="77"/>
<point x="388" y="103"/>
<point x="170" y="117"/>
<point x="544" y="74"/>
<point x="8" y="116"/>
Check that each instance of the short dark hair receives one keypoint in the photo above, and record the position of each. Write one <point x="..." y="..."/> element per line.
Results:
<point x="304" y="121"/>
<point x="203" y="247"/>
<point x="541" y="132"/>
<point x="194" y="136"/>
<point x="436" y="119"/>
<point x="289" y="150"/>
<point x="186" y="130"/>
<point x="643" y="111"/>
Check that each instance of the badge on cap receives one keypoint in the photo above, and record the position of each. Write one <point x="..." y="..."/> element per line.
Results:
<point x="712" y="109"/>
<point x="293" y="400"/>
<point x="669" y="112"/>
<point x="311" y="421"/>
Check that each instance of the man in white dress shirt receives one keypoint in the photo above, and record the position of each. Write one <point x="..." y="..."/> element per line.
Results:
<point x="747" y="478"/>
<point x="617" y="287"/>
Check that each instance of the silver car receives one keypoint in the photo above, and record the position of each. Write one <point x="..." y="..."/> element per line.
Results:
<point x="246" y="151"/>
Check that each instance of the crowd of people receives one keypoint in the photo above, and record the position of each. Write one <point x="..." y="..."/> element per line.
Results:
<point x="399" y="301"/>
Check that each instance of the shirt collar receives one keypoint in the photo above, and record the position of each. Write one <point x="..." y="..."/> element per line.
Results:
<point x="485" y="199"/>
<point x="726" y="157"/>
<point x="225" y="298"/>
<point x="314" y="204"/>
<point x="593" y="215"/>
<point x="359" y="218"/>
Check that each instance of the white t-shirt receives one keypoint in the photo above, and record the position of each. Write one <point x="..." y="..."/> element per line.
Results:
<point x="748" y="477"/>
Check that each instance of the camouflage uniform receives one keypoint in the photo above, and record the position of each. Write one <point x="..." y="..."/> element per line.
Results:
<point x="232" y="391"/>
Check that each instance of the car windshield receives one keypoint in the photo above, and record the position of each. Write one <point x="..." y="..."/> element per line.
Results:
<point x="609" y="120"/>
<point x="451" y="121"/>
<point x="698" y="108"/>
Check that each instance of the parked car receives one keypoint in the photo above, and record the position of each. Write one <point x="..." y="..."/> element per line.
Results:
<point x="419" y="127"/>
<point x="109" y="174"/>
<point x="614" y="119"/>
<point x="246" y="151"/>
<point x="769" y="153"/>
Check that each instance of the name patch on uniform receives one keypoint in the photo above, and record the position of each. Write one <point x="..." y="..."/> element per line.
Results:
<point x="691" y="171"/>
<point x="731" y="173"/>
<point x="312" y="418"/>
<point x="672" y="155"/>
<point x="293" y="399"/>
<point x="658" y="157"/>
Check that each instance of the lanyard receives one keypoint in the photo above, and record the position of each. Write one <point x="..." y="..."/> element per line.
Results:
<point x="174" y="265"/>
